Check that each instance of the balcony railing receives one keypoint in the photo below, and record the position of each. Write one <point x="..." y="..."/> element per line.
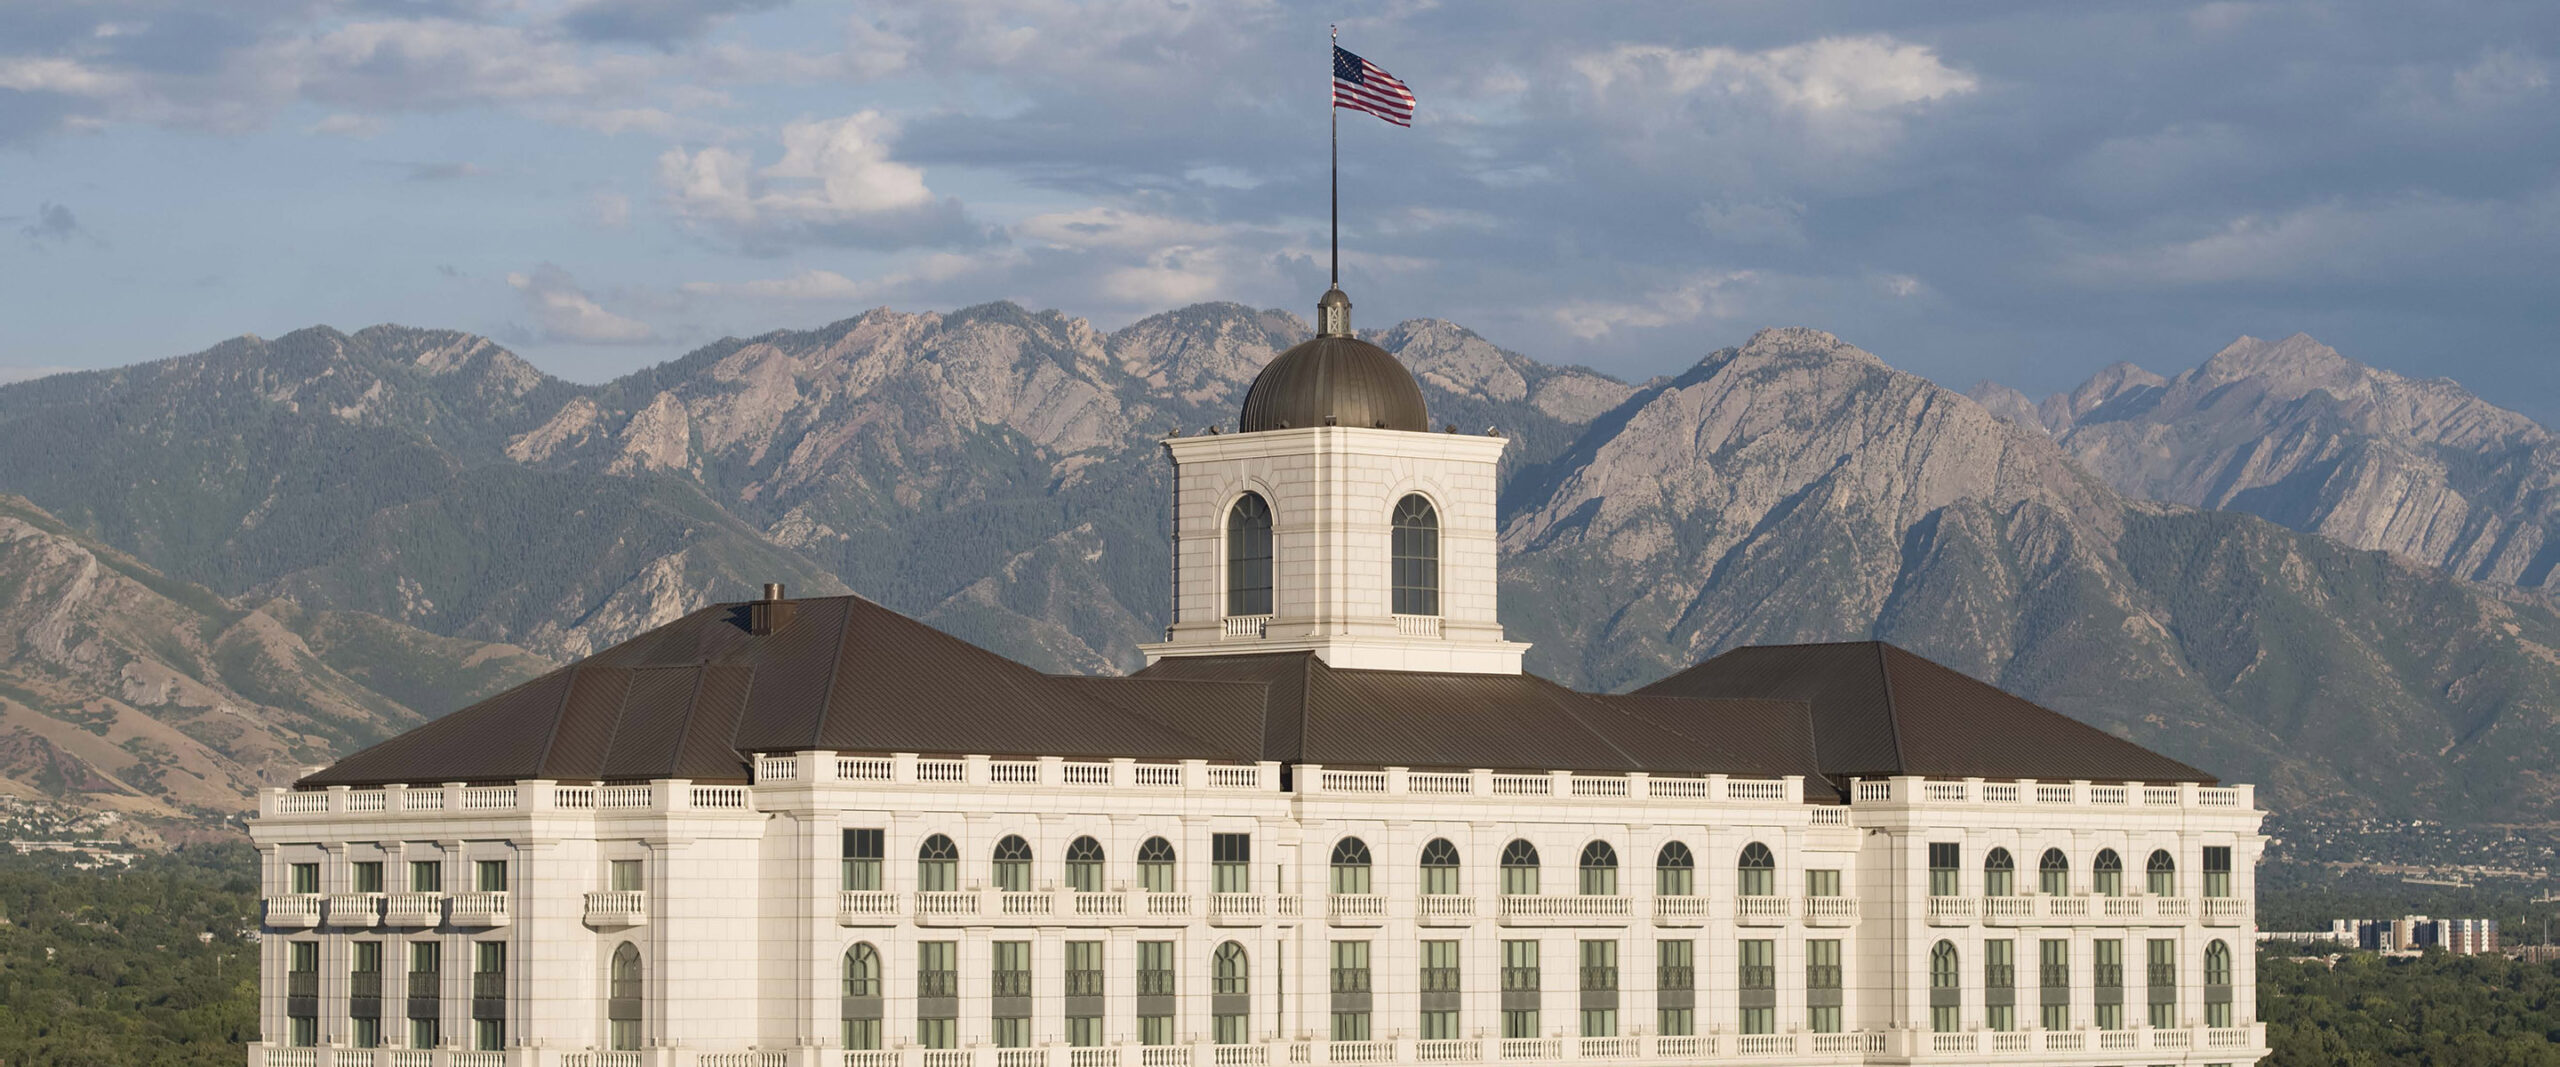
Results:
<point x="1445" y="909"/>
<point x="617" y="907"/>
<point x="1562" y="910"/>
<point x="1246" y="626"/>
<point x="1952" y="911"/>
<point x="2131" y="798"/>
<point x="2225" y="911"/>
<point x="866" y="907"/>
<point x="481" y="909"/>
<point x="355" y="911"/>
<point x="1830" y="911"/>
<point x="294" y="911"/>
<point x="1762" y="911"/>
<point x="1355" y="909"/>
<point x="413" y="909"/>
<point x="1680" y="911"/>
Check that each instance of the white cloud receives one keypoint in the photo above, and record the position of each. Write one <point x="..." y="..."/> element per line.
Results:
<point x="835" y="183"/>
<point x="55" y="74"/>
<point x="564" y="312"/>
<point x="2339" y="241"/>
<point x="1832" y="74"/>
<point x="2502" y="75"/>
<point x="1715" y="295"/>
<point x="826" y="286"/>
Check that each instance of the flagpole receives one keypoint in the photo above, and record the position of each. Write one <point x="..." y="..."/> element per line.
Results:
<point x="1335" y="119"/>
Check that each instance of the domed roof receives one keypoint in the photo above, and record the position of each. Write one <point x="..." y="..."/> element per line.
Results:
<point x="1335" y="375"/>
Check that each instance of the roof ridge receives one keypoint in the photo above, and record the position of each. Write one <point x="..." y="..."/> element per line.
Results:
<point x="835" y="667"/>
<point x="551" y="737"/>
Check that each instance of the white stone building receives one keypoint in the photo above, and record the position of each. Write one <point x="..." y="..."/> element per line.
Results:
<point x="1332" y="822"/>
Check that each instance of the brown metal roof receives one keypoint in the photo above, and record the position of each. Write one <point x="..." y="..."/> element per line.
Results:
<point x="1318" y="714"/>
<point x="1345" y="379"/>
<point x="1880" y="711"/>
<point x="698" y="697"/>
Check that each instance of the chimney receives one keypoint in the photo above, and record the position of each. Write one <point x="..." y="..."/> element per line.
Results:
<point x="770" y="613"/>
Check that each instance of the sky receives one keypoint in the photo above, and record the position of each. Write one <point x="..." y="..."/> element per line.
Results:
<point x="2023" y="193"/>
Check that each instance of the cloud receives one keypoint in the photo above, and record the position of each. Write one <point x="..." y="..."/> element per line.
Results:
<point x="565" y="313"/>
<point x="1832" y="74"/>
<point x="54" y="225"/>
<point x="834" y="185"/>
<point x="1705" y="295"/>
<point x="664" y="23"/>
<point x="444" y="171"/>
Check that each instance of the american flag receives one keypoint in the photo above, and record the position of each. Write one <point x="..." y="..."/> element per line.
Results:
<point x="1364" y="86"/>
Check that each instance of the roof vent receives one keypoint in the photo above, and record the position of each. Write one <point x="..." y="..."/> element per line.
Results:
<point x="769" y="614"/>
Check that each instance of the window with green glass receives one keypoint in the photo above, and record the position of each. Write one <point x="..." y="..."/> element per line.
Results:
<point x="1155" y="865"/>
<point x="1008" y="968"/>
<point x="1519" y="869"/>
<point x="1822" y="883"/>
<point x="1945" y="880"/>
<point x="1084" y="865"/>
<point x="1675" y="871"/>
<point x="1439" y="868"/>
<point x="864" y="852"/>
<point x="304" y="877"/>
<point x="1231" y="863"/>
<point x="1084" y="969"/>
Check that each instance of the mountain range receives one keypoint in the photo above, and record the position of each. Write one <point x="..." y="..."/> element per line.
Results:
<point x="2282" y="566"/>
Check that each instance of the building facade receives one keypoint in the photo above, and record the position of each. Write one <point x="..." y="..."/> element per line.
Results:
<point x="1332" y="822"/>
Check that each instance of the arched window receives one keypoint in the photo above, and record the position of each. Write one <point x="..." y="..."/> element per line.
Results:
<point x="1351" y="867"/>
<point x="1155" y="865"/>
<point x="2217" y="985"/>
<point x="1675" y="871"/>
<point x="1231" y="982"/>
<point x="1417" y="557"/>
<point x="2053" y="874"/>
<point x="937" y="865"/>
<point x="1999" y="873"/>
<point x="1520" y="869"/>
<point x="1756" y="875"/>
<point x="2161" y="874"/>
<point x="622" y="1000"/>
<point x="1084" y="865"/>
<point x="1013" y="864"/>
<point x="2106" y="874"/>
<point x="1249" y="556"/>
<point x="1439" y="867"/>
<point x="1945" y="1005"/>
<point x="862" y="997"/>
<point x="1599" y="870"/>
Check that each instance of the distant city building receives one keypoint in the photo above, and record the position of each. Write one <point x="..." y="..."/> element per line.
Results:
<point x="1332" y="822"/>
<point x="2417" y="933"/>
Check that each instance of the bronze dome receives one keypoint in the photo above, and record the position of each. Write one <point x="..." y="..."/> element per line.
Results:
<point x="1335" y="377"/>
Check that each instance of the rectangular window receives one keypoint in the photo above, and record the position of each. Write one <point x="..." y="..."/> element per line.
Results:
<point x="1822" y="964"/>
<point x="426" y="876"/>
<point x="938" y="1033"/>
<point x="488" y="1035"/>
<point x="1678" y="1022"/>
<point x="1350" y="968"/>
<point x="1758" y="971"/>
<point x="1439" y="1025"/>
<point x="364" y="1031"/>
<point x="2106" y="958"/>
<point x="2161" y="974"/>
<point x="862" y="1035"/>
<point x="1675" y="881"/>
<point x="1083" y="1031"/>
<point x="1945" y="871"/>
<point x="2053" y="977"/>
<point x="1084" y="968"/>
<point x="1675" y="964"/>
<point x="306" y="1031"/>
<point x="1759" y="964"/>
<point x="2000" y="980"/>
<point x="1010" y="1032"/>
<point x="1599" y="1022"/>
<point x="364" y="992"/>
<point x="1945" y="1018"/>
<point x="1351" y="1026"/>
<point x="1009" y="969"/>
<point x="623" y="875"/>
<point x="2001" y="1018"/>
<point x="1231" y="863"/>
<point x="1823" y="883"/>
<point x="1599" y="969"/>
<point x="1823" y="1020"/>
<point x="1440" y="967"/>
<point x="1155" y="872"/>
<point x="490" y="876"/>
<point x="1230" y="1029"/>
<point x="425" y="1033"/>
<point x="938" y="969"/>
<point x="1520" y="1022"/>
<point x="1439" y="879"/>
<point x="2217" y="870"/>
<point x="303" y="969"/>
<point x="306" y="877"/>
<point x="488" y="968"/>
<point x="865" y="851"/>
<point x="2217" y="1013"/>
<point x="1155" y="1029"/>
<point x="1155" y="968"/>
<point x="1519" y="967"/>
<point x="365" y="876"/>
<point x="426" y="973"/>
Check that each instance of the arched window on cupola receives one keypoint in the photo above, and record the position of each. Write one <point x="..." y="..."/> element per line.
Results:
<point x="1416" y="577"/>
<point x="1249" y="556"/>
